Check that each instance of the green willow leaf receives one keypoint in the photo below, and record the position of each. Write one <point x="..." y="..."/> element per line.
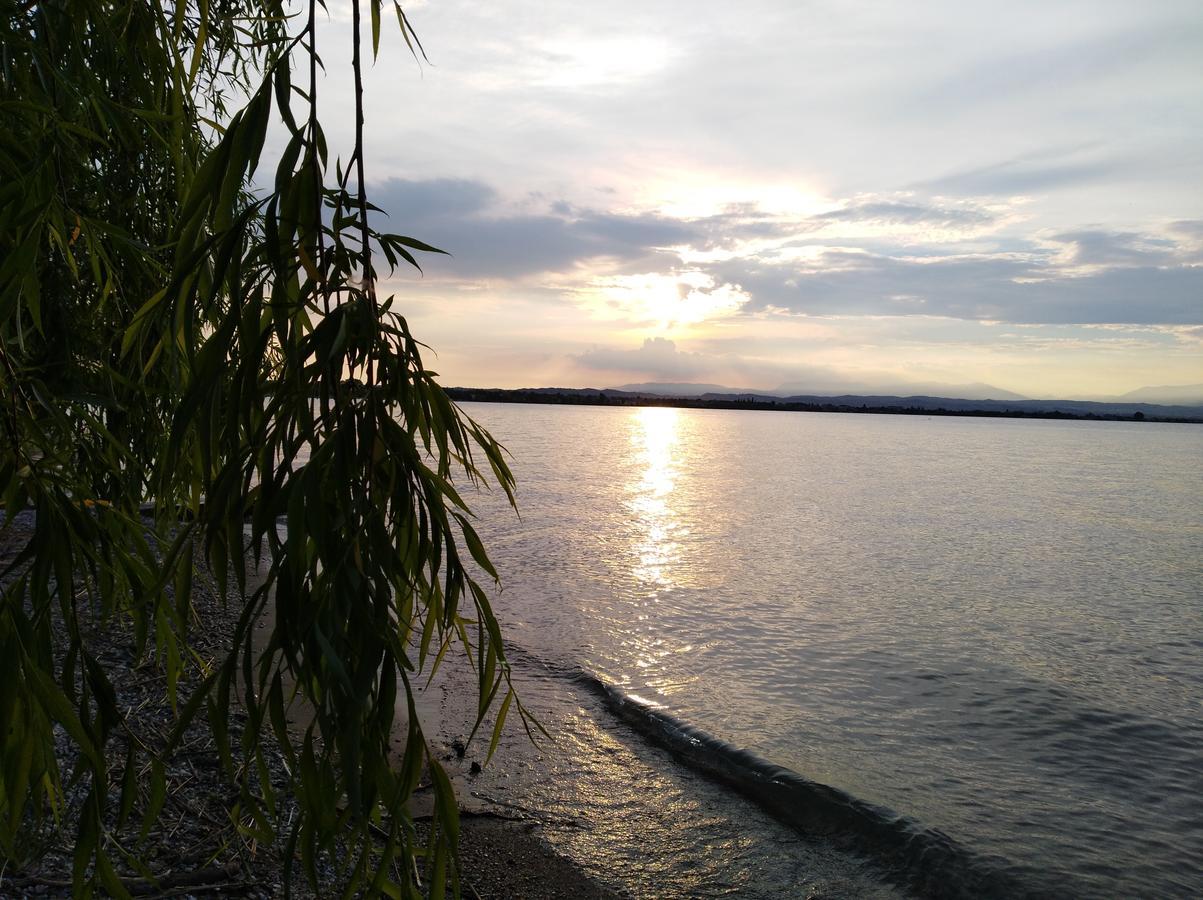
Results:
<point x="185" y="362"/>
<point x="60" y="709"/>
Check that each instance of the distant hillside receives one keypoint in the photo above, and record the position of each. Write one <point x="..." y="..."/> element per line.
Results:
<point x="1180" y="394"/>
<point x="878" y="403"/>
<point x="960" y="404"/>
<point x="975" y="391"/>
<point x="665" y="389"/>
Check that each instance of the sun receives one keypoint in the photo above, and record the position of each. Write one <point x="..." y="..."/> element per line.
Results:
<point x="665" y="302"/>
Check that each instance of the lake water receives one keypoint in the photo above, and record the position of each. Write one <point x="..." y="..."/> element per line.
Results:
<point x="991" y="628"/>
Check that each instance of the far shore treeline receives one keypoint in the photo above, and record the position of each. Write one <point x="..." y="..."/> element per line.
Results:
<point x="917" y="406"/>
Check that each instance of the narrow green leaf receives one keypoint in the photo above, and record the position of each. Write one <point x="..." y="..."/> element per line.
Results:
<point x="499" y="725"/>
<point x="375" y="4"/>
<point x="59" y="708"/>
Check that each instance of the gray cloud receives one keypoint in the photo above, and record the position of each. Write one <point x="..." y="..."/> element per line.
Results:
<point x="1023" y="176"/>
<point x="1114" y="248"/>
<point x="1059" y="68"/>
<point x="634" y="232"/>
<point x="1136" y="283"/>
<point x="1192" y="228"/>
<point x="487" y="242"/>
<point x="898" y="213"/>
<point x="983" y="288"/>
<point x="658" y="359"/>
<point x="744" y="222"/>
<point x="435" y="198"/>
<point x="465" y="218"/>
<point x="843" y="99"/>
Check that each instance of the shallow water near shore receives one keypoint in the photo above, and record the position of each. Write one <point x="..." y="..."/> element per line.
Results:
<point x="990" y="628"/>
<point x="627" y="813"/>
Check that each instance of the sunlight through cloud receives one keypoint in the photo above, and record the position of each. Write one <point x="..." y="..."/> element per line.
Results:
<point x="667" y="301"/>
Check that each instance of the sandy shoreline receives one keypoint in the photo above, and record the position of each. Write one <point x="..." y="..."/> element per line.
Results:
<point x="195" y="851"/>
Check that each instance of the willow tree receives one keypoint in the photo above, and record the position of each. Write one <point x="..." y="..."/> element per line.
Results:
<point x="191" y="327"/>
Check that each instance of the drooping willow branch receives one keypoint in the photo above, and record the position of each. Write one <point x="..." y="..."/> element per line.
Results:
<point x="173" y="329"/>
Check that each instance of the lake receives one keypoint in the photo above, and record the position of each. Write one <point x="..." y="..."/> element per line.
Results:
<point x="989" y="629"/>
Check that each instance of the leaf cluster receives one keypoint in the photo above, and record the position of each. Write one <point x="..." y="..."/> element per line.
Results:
<point x="186" y="362"/>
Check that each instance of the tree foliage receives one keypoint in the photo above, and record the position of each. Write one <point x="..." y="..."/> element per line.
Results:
<point x="191" y="327"/>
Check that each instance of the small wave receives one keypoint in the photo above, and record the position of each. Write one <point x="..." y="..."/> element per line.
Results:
<point x="921" y="859"/>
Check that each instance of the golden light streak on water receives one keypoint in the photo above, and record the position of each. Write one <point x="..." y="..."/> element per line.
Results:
<point x="989" y="626"/>
<point x="654" y="439"/>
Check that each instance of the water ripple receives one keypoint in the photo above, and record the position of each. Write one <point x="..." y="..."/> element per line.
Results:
<point x="991" y="626"/>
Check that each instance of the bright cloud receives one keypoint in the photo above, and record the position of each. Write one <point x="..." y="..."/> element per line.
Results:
<point x="665" y="301"/>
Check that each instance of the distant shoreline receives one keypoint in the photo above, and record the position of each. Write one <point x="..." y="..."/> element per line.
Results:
<point x="915" y="406"/>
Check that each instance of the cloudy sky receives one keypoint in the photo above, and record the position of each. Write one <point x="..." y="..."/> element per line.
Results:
<point x="825" y="195"/>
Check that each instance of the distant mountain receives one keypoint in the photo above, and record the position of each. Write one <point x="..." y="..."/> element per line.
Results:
<point x="667" y="389"/>
<point x="878" y="403"/>
<point x="1174" y="394"/>
<point x="964" y="404"/>
<point x="976" y="391"/>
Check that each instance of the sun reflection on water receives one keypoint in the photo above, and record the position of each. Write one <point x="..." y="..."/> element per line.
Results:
<point x="654" y="440"/>
<point x="656" y="552"/>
